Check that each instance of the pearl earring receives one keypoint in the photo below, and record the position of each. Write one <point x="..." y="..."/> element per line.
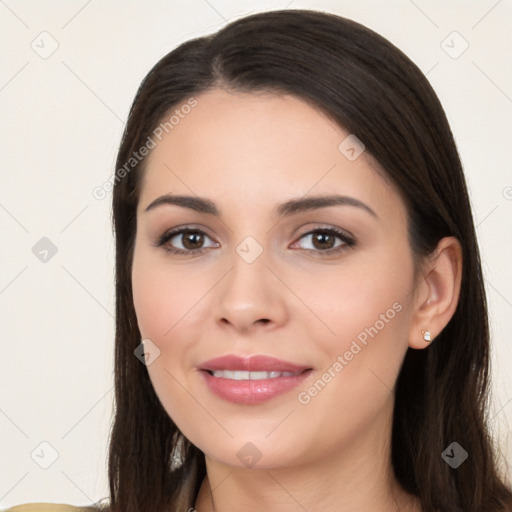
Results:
<point x="426" y="335"/>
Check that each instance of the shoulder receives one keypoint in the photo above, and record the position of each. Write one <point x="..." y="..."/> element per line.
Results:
<point x="48" y="507"/>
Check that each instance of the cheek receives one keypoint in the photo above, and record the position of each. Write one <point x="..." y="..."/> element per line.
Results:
<point x="164" y="304"/>
<point x="163" y="296"/>
<point x="363" y="299"/>
<point x="151" y="300"/>
<point x="367" y="310"/>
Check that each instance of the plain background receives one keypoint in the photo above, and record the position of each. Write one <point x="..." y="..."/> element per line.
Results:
<point x="62" y="116"/>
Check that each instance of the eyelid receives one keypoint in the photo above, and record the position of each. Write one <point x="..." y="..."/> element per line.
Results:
<point x="327" y="227"/>
<point x="345" y="236"/>
<point x="171" y="233"/>
<point x="183" y="227"/>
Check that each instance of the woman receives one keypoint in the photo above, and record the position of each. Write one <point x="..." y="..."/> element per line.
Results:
<point x="296" y="252"/>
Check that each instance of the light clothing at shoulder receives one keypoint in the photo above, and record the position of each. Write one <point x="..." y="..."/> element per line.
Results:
<point x="47" y="507"/>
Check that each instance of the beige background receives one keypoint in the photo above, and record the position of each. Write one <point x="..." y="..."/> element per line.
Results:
<point x="61" y="120"/>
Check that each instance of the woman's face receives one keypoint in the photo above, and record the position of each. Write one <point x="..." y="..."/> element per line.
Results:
<point x="270" y="282"/>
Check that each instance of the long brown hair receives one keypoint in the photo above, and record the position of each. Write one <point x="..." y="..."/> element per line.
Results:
<point x="369" y="87"/>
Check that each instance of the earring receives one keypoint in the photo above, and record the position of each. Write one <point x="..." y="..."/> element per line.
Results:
<point x="178" y="454"/>
<point x="426" y="335"/>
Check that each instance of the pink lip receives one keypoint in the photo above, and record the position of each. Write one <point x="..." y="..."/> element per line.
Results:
<point x="252" y="392"/>
<point x="251" y="364"/>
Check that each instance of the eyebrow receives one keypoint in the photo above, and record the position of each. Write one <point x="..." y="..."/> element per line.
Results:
<point x="286" y="209"/>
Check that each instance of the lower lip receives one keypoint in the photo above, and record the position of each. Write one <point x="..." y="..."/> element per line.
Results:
<point x="252" y="392"/>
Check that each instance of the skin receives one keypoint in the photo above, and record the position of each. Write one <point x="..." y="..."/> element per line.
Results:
<point x="249" y="153"/>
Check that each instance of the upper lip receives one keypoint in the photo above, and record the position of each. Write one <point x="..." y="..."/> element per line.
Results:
<point x="252" y="364"/>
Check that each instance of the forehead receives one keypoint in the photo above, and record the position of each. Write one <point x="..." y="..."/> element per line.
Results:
<point x="233" y="124"/>
<point x="247" y="146"/>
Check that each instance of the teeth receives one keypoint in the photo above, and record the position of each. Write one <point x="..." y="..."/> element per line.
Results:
<point x="243" y="375"/>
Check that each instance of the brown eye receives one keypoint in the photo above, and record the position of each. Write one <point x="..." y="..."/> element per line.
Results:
<point x="191" y="241"/>
<point x="323" y="240"/>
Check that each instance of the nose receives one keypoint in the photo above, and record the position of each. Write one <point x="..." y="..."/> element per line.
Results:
<point x="250" y="296"/>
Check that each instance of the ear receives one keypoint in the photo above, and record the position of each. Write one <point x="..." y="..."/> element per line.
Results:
<point x="437" y="293"/>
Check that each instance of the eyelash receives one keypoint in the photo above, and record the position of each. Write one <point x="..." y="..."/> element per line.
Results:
<point x="348" y="241"/>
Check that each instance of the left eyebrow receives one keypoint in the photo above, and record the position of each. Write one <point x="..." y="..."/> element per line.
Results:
<point x="313" y="203"/>
<point x="292" y="207"/>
